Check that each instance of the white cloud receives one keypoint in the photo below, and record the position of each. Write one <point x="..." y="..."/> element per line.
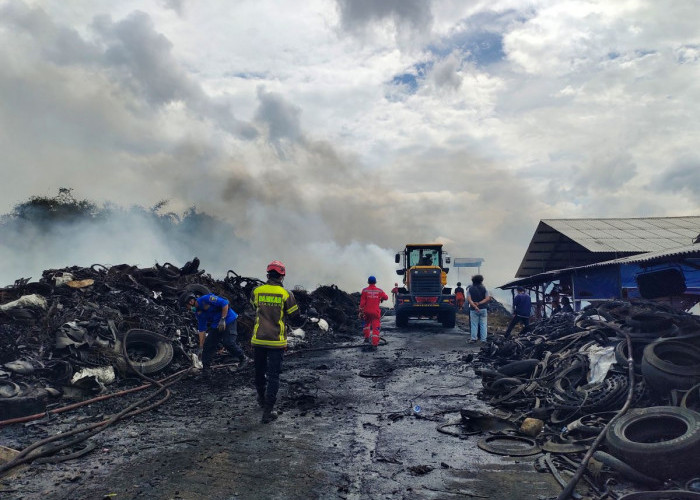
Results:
<point x="287" y="119"/>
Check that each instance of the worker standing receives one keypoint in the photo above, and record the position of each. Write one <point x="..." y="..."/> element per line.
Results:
<point x="273" y="305"/>
<point x="394" y="293"/>
<point x="370" y="312"/>
<point x="459" y="296"/>
<point x="478" y="296"/>
<point x="216" y="324"/>
<point x="522" y="308"/>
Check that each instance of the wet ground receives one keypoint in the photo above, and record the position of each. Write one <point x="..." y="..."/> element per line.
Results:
<point x="347" y="430"/>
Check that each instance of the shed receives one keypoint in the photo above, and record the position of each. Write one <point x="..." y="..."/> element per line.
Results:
<point x="602" y="259"/>
<point x="564" y="243"/>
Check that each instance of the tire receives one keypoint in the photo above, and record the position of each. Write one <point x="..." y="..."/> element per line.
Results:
<point x="449" y="319"/>
<point x="662" y="495"/>
<point x="155" y="352"/>
<point x="638" y="346"/>
<point x="661" y="441"/>
<point x="648" y="322"/>
<point x="524" y="367"/>
<point x="28" y="402"/>
<point x="669" y="365"/>
<point x="401" y="319"/>
<point x="691" y="399"/>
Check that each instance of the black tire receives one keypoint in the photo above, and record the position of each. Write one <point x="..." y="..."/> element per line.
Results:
<point x="401" y="319"/>
<point x="661" y="441"/>
<point x="449" y="319"/>
<point x="670" y="364"/>
<point x="155" y="353"/>
<point x="524" y="367"/>
<point x="662" y="495"/>
<point x="29" y="402"/>
<point x="638" y="346"/>
<point x="648" y="322"/>
<point x="691" y="399"/>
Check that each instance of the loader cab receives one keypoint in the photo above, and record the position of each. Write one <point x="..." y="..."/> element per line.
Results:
<point x="424" y="256"/>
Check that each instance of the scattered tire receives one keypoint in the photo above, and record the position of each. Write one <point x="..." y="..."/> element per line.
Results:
<point x="638" y="346"/>
<point x="662" y="441"/>
<point x="691" y="399"/>
<point x="148" y="351"/>
<point x="662" y="495"/>
<point x="524" y="367"/>
<point x="647" y="322"/>
<point x="27" y="402"/>
<point x="671" y="364"/>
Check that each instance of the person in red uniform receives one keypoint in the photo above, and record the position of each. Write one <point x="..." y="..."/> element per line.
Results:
<point x="370" y="299"/>
<point x="394" y="292"/>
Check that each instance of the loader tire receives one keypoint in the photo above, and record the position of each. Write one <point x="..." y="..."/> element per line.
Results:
<point x="401" y="320"/>
<point x="449" y="319"/>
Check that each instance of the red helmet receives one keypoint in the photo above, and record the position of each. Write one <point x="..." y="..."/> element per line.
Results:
<point x="276" y="265"/>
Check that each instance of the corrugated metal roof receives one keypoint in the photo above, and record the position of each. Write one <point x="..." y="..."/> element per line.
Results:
<point x="687" y="251"/>
<point x="628" y="235"/>
<point x="561" y="243"/>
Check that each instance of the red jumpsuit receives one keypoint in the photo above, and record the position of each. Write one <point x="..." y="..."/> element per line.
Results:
<point x="370" y="299"/>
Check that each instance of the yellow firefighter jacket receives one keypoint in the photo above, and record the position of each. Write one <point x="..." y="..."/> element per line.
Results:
<point x="272" y="305"/>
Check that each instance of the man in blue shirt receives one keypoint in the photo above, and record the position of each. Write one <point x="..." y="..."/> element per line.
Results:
<point x="522" y="305"/>
<point x="216" y="324"/>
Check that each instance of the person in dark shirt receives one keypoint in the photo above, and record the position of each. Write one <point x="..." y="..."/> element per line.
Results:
<point x="522" y="306"/>
<point x="478" y="296"/>
<point x="459" y="296"/>
<point x="566" y="305"/>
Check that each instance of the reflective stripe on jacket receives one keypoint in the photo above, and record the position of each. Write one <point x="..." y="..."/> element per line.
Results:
<point x="271" y="302"/>
<point x="370" y="299"/>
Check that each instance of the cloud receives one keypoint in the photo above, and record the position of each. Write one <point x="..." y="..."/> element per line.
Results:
<point x="330" y="134"/>
<point x="682" y="177"/>
<point x="281" y="118"/>
<point x="407" y="18"/>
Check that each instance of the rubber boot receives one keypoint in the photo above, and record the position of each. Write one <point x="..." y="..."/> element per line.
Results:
<point x="268" y="415"/>
<point x="261" y="399"/>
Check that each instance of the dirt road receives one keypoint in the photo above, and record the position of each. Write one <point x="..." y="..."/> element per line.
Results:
<point x="348" y="430"/>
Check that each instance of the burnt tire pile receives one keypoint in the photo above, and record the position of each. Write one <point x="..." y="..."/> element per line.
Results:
<point x="73" y="321"/>
<point x="546" y="373"/>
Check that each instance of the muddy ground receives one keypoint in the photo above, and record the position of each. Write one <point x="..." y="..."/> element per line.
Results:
<point x="347" y="430"/>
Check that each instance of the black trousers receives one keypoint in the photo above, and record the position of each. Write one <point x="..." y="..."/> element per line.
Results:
<point x="517" y="319"/>
<point x="268" y="366"/>
<point x="229" y="339"/>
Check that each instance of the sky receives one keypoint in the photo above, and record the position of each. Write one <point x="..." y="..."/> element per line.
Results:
<point x="330" y="133"/>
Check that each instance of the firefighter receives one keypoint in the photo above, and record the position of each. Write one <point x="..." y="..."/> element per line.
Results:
<point x="273" y="306"/>
<point x="459" y="296"/>
<point x="370" y="313"/>
<point x="216" y="324"/>
<point x="394" y="293"/>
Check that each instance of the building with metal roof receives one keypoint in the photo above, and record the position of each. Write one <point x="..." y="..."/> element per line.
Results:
<point x="564" y="243"/>
<point x="602" y="259"/>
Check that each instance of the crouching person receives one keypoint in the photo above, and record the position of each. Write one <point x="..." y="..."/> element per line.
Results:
<point x="216" y="324"/>
<point x="273" y="306"/>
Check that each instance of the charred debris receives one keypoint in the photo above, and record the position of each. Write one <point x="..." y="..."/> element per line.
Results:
<point x="599" y="398"/>
<point x="62" y="337"/>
